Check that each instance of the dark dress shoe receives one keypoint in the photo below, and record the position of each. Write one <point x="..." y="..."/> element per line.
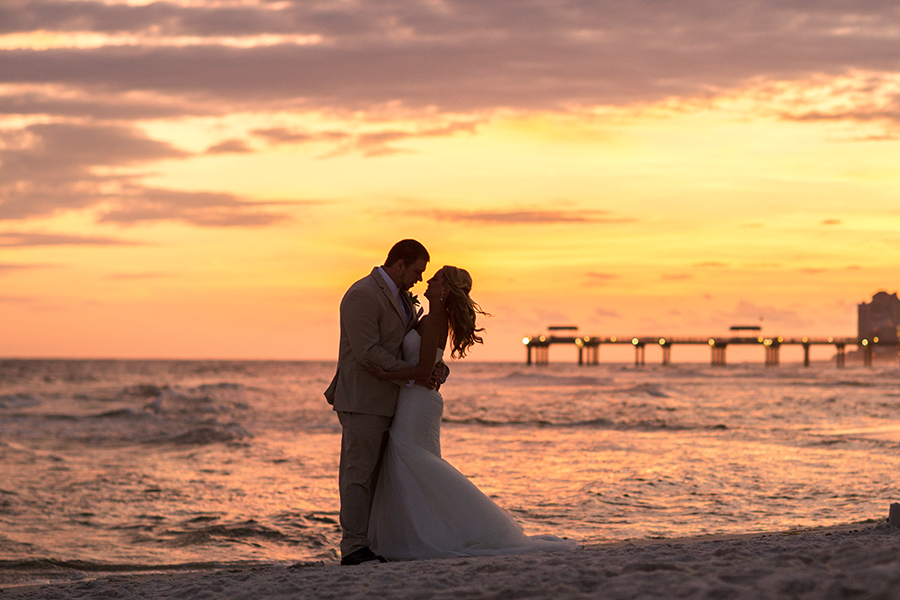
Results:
<point x="357" y="557"/>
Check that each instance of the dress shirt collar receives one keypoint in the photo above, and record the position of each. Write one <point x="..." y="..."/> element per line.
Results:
<point x="396" y="292"/>
<point x="391" y="285"/>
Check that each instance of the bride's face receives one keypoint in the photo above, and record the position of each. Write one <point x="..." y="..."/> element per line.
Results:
<point x="436" y="286"/>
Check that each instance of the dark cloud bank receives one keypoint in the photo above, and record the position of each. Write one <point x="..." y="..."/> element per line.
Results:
<point x="457" y="55"/>
<point x="451" y="56"/>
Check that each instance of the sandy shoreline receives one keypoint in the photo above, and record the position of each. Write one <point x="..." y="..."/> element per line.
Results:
<point x="850" y="561"/>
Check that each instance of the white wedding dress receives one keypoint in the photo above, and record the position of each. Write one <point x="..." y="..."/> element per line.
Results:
<point x="425" y="508"/>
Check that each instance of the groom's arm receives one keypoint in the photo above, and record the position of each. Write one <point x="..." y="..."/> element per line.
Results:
<point x="359" y="312"/>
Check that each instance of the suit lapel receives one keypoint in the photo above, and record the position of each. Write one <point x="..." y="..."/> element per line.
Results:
<point x="387" y="292"/>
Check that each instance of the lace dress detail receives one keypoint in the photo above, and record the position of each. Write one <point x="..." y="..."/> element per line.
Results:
<point x="423" y="506"/>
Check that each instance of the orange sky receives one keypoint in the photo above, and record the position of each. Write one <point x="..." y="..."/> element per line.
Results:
<point x="205" y="179"/>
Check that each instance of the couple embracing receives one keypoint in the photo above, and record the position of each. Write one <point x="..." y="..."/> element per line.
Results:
<point x="399" y="498"/>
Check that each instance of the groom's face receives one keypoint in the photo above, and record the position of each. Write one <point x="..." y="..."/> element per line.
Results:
<point x="412" y="274"/>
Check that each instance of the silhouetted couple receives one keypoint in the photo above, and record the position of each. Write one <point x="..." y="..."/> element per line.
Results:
<point x="399" y="498"/>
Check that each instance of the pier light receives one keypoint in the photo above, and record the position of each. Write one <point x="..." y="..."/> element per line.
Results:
<point x="830" y="339"/>
<point x="865" y="342"/>
<point x="805" y="339"/>
<point x="712" y="342"/>
<point x="760" y="339"/>
<point x="612" y="339"/>
<point x="875" y="339"/>
<point x="635" y="341"/>
<point x="780" y="339"/>
<point x="526" y="341"/>
<point x="662" y="341"/>
<point x="767" y="342"/>
<point x="543" y="339"/>
<point x="579" y="342"/>
<point x="587" y="338"/>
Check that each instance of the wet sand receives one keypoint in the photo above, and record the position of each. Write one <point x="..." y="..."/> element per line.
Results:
<point x="850" y="561"/>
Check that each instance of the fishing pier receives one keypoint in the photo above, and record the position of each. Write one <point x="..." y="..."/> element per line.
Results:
<point x="538" y="347"/>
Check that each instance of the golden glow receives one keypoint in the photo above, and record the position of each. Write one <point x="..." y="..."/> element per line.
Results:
<point x="607" y="218"/>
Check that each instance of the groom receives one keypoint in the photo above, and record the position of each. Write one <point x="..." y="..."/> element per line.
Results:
<point x="376" y="314"/>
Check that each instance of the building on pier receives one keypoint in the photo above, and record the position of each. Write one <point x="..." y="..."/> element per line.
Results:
<point x="880" y="318"/>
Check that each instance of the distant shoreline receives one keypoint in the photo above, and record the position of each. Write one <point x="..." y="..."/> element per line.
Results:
<point x="853" y="359"/>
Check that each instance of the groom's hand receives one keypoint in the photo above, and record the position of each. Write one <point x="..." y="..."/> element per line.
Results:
<point x="376" y="370"/>
<point x="438" y="375"/>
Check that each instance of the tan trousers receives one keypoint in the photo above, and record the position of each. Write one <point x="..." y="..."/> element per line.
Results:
<point x="363" y="440"/>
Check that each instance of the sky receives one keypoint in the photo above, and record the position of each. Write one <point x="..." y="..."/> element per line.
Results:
<point x="205" y="178"/>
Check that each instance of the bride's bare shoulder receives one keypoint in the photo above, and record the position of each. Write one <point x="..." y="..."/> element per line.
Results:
<point x="426" y="321"/>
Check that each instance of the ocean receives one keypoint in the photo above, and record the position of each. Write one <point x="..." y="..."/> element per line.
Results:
<point x="124" y="466"/>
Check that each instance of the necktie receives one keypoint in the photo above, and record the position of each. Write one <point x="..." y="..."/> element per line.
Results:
<point x="405" y="304"/>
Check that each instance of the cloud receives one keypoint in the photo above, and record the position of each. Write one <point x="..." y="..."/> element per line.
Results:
<point x="711" y="265"/>
<point x="45" y="168"/>
<point x="17" y="299"/>
<point x="109" y="64"/>
<point x="11" y="239"/>
<point x="369" y="143"/>
<point x="859" y="97"/>
<point x="377" y="143"/>
<point x="204" y="209"/>
<point x="594" y="278"/>
<point x="453" y="55"/>
<point x="30" y="100"/>
<point x="530" y="217"/>
<point x="136" y="276"/>
<point x="230" y="147"/>
<point x="50" y="168"/>
<point x="282" y="135"/>
<point x="11" y="268"/>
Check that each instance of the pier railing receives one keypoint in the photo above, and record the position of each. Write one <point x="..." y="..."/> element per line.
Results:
<point x="538" y="347"/>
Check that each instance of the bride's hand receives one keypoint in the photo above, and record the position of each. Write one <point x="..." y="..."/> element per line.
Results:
<point x="376" y="370"/>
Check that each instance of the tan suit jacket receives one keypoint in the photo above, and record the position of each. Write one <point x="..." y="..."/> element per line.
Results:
<point x="373" y="325"/>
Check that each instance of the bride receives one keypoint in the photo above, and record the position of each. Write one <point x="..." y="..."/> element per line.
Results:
<point x="423" y="507"/>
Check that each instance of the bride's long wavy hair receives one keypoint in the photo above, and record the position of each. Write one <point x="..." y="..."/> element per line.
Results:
<point x="462" y="311"/>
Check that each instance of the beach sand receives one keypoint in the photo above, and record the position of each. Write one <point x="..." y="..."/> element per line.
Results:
<point x="851" y="561"/>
